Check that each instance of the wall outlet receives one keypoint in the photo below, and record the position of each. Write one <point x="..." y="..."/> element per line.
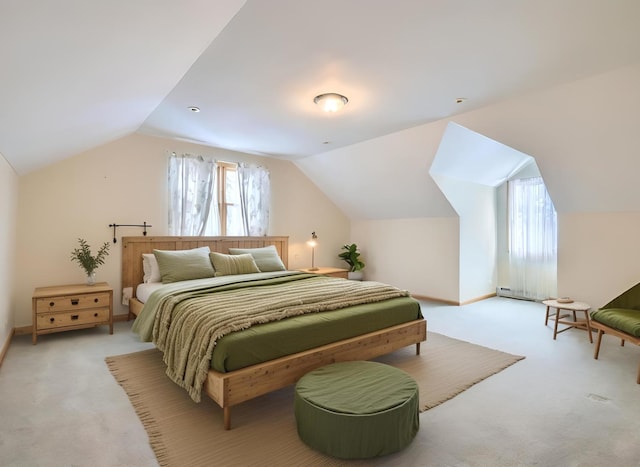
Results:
<point x="127" y="293"/>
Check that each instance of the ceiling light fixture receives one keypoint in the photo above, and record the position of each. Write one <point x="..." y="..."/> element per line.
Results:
<point x="331" y="102"/>
<point x="194" y="109"/>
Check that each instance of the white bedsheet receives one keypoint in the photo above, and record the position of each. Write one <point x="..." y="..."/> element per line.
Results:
<point x="144" y="290"/>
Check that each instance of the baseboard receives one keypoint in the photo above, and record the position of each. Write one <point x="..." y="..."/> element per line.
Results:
<point x="22" y="330"/>
<point x="433" y="299"/>
<point x="479" y="299"/>
<point x="120" y="317"/>
<point x="453" y="302"/>
<point x="5" y="347"/>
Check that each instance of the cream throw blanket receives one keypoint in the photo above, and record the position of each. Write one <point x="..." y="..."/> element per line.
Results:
<point x="188" y="325"/>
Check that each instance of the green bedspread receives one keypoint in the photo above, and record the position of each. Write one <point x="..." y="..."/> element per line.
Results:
<point x="185" y="322"/>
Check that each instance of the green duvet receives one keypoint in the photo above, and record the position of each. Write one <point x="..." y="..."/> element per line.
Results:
<point x="231" y="322"/>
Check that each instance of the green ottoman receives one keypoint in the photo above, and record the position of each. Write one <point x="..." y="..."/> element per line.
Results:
<point x="357" y="410"/>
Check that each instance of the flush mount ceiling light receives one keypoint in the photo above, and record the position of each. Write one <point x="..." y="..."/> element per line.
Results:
<point x="331" y="102"/>
<point x="194" y="109"/>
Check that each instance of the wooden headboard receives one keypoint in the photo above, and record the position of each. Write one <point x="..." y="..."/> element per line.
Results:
<point x="134" y="247"/>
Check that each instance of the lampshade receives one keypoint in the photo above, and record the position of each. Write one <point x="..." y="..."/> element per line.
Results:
<point x="314" y="240"/>
<point x="331" y="102"/>
<point x="313" y="243"/>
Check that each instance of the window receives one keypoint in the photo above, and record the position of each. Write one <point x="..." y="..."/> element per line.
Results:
<point x="229" y="200"/>
<point x="208" y="197"/>
<point x="532" y="239"/>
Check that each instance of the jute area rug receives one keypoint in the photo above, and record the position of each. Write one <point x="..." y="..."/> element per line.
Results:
<point x="183" y="433"/>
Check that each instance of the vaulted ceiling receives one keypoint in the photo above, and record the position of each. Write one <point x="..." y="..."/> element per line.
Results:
<point x="80" y="73"/>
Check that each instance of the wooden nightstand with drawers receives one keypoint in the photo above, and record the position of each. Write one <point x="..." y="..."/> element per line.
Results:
<point x="67" y="307"/>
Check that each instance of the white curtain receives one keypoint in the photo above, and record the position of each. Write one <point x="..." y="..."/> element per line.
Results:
<point x="254" y="187"/>
<point x="192" y="204"/>
<point x="532" y="240"/>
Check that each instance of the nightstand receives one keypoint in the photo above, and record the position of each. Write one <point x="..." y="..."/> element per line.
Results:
<point x="332" y="272"/>
<point x="67" y="307"/>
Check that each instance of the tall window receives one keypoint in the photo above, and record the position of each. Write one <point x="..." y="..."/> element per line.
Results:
<point x="208" y="197"/>
<point x="533" y="236"/>
<point x="229" y="200"/>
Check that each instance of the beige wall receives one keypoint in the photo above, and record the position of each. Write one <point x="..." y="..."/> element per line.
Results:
<point x="598" y="255"/>
<point x="419" y="255"/>
<point x="124" y="182"/>
<point x="583" y="136"/>
<point x="8" y="216"/>
<point x="476" y="206"/>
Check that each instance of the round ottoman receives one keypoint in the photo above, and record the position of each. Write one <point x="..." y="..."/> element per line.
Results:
<point x="356" y="410"/>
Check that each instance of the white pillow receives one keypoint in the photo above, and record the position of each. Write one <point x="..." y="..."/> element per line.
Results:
<point x="150" y="268"/>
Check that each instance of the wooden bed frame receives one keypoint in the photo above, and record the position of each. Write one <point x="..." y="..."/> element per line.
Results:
<point x="229" y="389"/>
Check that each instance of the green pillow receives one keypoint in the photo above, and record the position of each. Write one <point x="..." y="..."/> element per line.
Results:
<point x="267" y="258"/>
<point x="624" y="320"/>
<point x="229" y="265"/>
<point x="184" y="265"/>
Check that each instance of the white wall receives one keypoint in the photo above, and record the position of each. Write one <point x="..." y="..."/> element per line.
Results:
<point x="584" y="137"/>
<point x="124" y="182"/>
<point x="8" y="219"/>
<point x="476" y="205"/>
<point x="418" y="255"/>
<point x="598" y="255"/>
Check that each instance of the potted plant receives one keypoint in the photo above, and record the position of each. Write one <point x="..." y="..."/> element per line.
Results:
<point x="351" y="256"/>
<point x="87" y="261"/>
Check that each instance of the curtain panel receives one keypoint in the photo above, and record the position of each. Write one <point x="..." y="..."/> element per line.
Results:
<point x="533" y="254"/>
<point x="192" y="196"/>
<point x="254" y="186"/>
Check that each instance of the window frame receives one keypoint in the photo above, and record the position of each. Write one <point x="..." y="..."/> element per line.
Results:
<point x="224" y="170"/>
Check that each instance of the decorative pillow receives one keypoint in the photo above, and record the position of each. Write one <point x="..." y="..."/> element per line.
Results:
<point x="229" y="265"/>
<point x="150" y="268"/>
<point x="184" y="265"/>
<point x="267" y="258"/>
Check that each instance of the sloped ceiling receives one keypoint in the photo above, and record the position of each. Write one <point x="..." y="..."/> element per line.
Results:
<point x="471" y="157"/>
<point x="79" y="73"/>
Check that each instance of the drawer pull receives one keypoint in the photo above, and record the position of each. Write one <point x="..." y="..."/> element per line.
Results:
<point x="52" y="303"/>
<point x="73" y="317"/>
<point x="95" y="300"/>
<point x="95" y="315"/>
<point x="52" y="319"/>
<point x="75" y="301"/>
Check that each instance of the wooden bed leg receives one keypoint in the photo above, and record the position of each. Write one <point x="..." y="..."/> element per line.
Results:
<point x="638" y="377"/>
<point x="597" y="349"/>
<point x="418" y="348"/>
<point x="227" y="417"/>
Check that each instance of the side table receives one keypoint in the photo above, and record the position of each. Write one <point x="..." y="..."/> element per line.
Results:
<point x="67" y="307"/>
<point x="573" y="307"/>
<point x="331" y="272"/>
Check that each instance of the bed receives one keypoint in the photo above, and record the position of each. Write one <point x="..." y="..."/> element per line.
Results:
<point x="229" y="386"/>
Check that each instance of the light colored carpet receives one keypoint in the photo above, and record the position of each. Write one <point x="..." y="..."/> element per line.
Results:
<point x="183" y="433"/>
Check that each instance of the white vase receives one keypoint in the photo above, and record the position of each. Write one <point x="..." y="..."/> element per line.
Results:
<point x="91" y="278"/>
<point x="355" y="275"/>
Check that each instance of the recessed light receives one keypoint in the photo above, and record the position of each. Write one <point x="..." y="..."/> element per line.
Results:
<point x="194" y="109"/>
